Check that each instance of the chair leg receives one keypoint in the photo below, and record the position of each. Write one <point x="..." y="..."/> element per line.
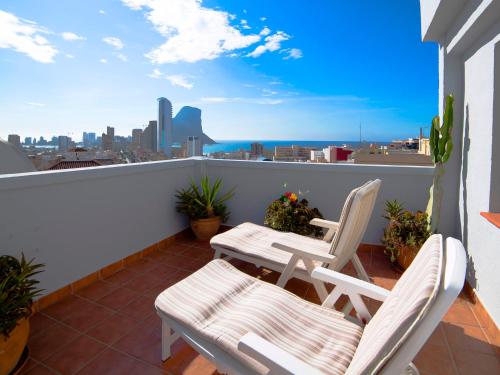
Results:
<point x="166" y="340"/>
<point x="358" y="266"/>
<point x="411" y="370"/>
<point x="217" y="254"/>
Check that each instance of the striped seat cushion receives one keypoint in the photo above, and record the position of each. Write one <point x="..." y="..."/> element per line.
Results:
<point x="255" y="241"/>
<point x="221" y="304"/>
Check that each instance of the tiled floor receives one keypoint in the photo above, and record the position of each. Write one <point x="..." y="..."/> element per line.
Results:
<point x="111" y="327"/>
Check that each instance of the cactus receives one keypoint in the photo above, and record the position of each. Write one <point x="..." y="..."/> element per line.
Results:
<point x="441" y="146"/>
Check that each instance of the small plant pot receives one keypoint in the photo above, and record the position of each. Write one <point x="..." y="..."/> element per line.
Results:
<point x="205" y="229"/>
<point x="406" y="255"/>
<point x="11" y="348"/>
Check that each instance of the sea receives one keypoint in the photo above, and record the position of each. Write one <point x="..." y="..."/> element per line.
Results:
<point x="236" y="145"/>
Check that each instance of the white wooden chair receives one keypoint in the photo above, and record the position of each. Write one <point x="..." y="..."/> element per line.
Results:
<point x="294" y="255"/>
<point x="247" y="326"/>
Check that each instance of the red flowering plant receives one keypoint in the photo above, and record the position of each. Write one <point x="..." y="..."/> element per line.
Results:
<point x="289" y="214"/>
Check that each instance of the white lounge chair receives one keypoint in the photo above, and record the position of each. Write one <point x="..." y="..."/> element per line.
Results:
<point x="247" y="326"/>
<point x="294" y="255"/>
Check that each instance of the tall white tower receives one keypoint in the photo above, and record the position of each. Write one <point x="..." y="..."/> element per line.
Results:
<point x="165" y="126"/>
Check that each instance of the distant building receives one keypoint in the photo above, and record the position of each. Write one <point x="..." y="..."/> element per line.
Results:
<point x="165" y="126"/>
<point x="256" y="149"/>
<point x="108" y="138"/>
<point x="334" y="154"/>
<point x="194" y="147"/>
<point x="292" y="153"/>
<point x="149" y="137"/>
<point x="136" y="137"/>
<point x="73" y="164"/>
<point x="14" y="139"/>
<point x="63" y="143"/>
<point x="424" y="146"/>
<point x="89" y="139"/>
<point x="317" y="156"/>
<point x="27" y="141"/>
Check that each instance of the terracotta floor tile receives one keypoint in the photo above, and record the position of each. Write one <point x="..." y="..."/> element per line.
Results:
<point x="96" y="290"/>
<point x="75" y="355"/>
<point x="467" y="338"/>
<point x="39" y="370"/>
<point x="111" y="362"/>
<point x="121" y="277"/>
<point x="62" y="309"/>
<point x="164" y="271"/>
<point x="473" y="363"/>
<point x="177" y="248"/>
<point x="40" y="322"/>
<point x="199" y="365"/>
<point x="118" y="299"/>
<point x="143" y="282"/>
<point x="140" y="308"/>
<point x="193" y="252"/>
<point x="143" y="342"/>
<point x="112" y="328"/>
<point x="52" y="339"/>
<point x="460" y="313"/>
<point x="182" y="358"/>
<point x="142" y="266"/>
<point x="176" y="261"/>
<point x="86" y="318"/>
<point x="30" y="363"/>
<point x="435" y="359"/>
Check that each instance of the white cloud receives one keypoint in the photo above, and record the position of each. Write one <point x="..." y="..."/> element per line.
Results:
<point x="71" y="37"/>
<point x="102" y="11"/>
<point x="36" y="104"/>
<point x="179" y="80"/>
<point x="292" y="53"/>
<point x="69" y="56"/>
<point x="265" y="31"/>
<point x="104" y="61"/>
<point x="244" y="24"/>
<point x="263" y="19"/>
<point x="121" y="57"/>
<point x="25" y="37"/>
<point x="156" y="74"/>
<point x="267" y="92"/>
<point x="192" y="32"/>
<point x="275" y="82"/>
<point x="113" y="42"/>
<point x="273" y="43"/>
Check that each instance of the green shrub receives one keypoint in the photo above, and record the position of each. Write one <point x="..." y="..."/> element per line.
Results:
<point x="288" y="214"/>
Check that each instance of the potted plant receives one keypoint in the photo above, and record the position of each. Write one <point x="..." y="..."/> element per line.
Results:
<point x="17" y="290"/>
<point x="204" y="208"/>
<point x="288" y="214"/>
<point x="405" y="233"/>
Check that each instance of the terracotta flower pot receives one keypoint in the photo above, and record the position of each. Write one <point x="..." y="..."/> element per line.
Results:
<point x="406" y="256"/>
<point x="12" y="347"/>
<point x="205" y="229"/>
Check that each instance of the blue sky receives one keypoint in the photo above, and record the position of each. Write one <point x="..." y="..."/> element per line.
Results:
<point x="257" y="69"/>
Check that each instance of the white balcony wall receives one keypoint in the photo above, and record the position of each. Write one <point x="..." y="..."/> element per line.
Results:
<point x="78" y="221"/>
<point x="325" y="186"/>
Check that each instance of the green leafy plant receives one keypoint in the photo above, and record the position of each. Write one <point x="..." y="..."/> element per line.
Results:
<point x="288" y="214"/>
<point x="405" y="228"/>
<point x="441" y="146"/>
<point x="202" y="202"/>
<point x="17" y="290"/>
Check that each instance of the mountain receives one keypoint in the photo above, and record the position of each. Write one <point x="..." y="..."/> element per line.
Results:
<point x="187" y="123"/>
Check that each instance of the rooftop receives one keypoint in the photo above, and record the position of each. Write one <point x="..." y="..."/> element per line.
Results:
<point x="111" y="325"/>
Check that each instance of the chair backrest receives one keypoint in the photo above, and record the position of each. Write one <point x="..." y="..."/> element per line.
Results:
<point x="353" y="222"/>
<point x="412" y="310"/>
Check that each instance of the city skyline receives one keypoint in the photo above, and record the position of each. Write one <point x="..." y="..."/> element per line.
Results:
<point x="256" y="72"/>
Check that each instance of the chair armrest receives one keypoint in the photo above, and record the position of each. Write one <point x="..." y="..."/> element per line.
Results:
<point x="305" y="253"/>
<point x="324" y="223"/>
<point x="277" y="360"/>
<point x="349" y="284"/>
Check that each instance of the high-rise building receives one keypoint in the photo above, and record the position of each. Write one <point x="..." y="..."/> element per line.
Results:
<point x="136" y="137"/>
<point x="149" y="137"/>
<point x="193" y="147"/>
<point x="27" y="141"/>
<point x="165" y="131"/>
<point x="256" y="149"/>
<point x="292" y="153"/>
<point x="88" y="139"/>
<point x="14" y="139"/>
<point x="63" y="143"/>
<point x="107" y="138"/>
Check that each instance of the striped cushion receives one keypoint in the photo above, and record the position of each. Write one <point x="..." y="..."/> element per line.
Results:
<point x="255" y="241"/>
<point x="402" y="311"/>
<point x="221" y="304"/>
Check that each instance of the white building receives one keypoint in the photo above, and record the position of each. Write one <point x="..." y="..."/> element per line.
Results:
<point x="165" y="133"/>
<point x="193" y="147"/>
<point x="468" y="33"/>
